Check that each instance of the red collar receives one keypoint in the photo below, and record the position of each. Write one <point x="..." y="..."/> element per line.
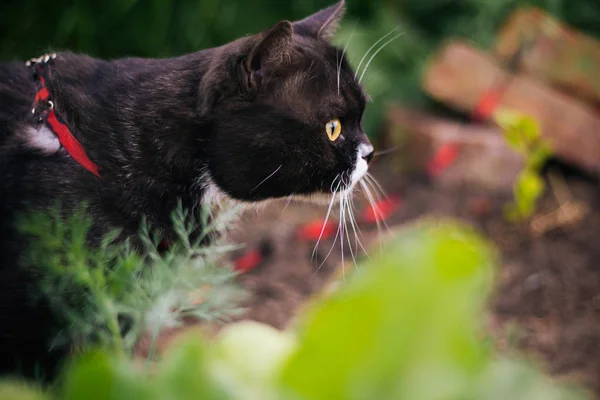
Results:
<point x="43" y="107"/>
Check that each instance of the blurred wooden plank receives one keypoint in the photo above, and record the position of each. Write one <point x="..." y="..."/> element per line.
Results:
<point x="460" y="75"/>
<point x="484" y="159"/>
<point x="556" y="53"/>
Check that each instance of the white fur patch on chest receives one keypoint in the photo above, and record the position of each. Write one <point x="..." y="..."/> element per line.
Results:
<point x="42" y="139"/>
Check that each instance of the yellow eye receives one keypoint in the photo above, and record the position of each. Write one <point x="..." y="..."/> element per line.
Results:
<point x="333" y="129"/>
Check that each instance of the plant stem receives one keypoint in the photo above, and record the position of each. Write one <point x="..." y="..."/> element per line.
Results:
<point x="112" y="322"/>
<point x="155" y="334"/>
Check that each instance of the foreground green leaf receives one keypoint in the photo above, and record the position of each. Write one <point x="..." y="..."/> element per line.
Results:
<point x="99" y="376"/>
<point x="406" y="327"/>
<point x="16" y="390"/>
<point x="247" y="357"/>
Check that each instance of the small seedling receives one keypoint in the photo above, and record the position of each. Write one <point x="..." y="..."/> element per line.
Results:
<point x="522" y="133"/>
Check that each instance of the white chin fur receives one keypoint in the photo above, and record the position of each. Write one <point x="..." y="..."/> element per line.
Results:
<point x="359" y="171"/>
<point x="362" y="166"/>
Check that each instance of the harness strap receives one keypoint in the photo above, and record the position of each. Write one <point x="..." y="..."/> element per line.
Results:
<point x="60" y="129"/>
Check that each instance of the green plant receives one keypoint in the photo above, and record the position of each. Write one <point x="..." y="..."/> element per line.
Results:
<point x="100" y="291"/>
<point x="406" y="325"/>
<point x="522" y="133"/>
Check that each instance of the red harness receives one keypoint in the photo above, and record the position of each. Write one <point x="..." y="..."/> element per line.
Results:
<point x="60" y="129"/>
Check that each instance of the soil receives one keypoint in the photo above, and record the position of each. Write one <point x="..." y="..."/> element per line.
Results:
<point x="548" y="286"/>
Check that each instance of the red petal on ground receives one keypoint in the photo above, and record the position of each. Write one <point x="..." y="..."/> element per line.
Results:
<point x="487" y="105"/>
<point x="443" y="159"/>
<point x="312" y="230"/>
<point x="248" y="261"/>
<point x="381" y="210"/>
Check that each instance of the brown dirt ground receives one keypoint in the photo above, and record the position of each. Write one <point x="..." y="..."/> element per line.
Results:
<point x="548" y="285"/>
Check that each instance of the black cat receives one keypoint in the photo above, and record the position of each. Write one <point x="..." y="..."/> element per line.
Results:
<point x="266" y="116"/>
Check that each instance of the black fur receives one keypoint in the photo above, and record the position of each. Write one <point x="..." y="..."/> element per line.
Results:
<point x="158" y="128"/>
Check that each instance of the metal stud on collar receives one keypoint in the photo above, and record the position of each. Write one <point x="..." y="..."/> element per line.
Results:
<point x="42" y="59"/>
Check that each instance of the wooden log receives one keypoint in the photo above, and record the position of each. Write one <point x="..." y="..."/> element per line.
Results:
<point x="483" y="158"/>
<point x="554" y="53"/>
<point x="460" y="75"/>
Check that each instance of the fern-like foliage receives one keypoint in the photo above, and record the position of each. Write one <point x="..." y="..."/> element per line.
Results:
<point x="108" y="296"/>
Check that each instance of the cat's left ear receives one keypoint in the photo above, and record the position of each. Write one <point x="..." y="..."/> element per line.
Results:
<point x="323" y="24"/>
<point x="272" y="50"/>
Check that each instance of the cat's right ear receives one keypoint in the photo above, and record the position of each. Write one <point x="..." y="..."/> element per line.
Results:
<point x="271" y="51"/>
<point x="323" y="24"/>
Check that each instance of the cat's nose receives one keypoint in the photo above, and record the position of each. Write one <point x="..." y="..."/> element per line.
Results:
<point x="365" y="151"/>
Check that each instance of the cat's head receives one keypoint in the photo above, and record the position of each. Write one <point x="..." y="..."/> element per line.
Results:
<point x="286" y="112"/>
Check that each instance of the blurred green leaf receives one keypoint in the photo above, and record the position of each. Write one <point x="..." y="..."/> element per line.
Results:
<point x="99" y="376"/>
<point x="411" y="319"/>
<point x="183" y="374"/>
<point x="16" y="390"/>
<point x="246" y="358"/>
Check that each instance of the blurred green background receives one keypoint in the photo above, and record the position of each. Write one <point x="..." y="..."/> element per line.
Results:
<point x="161" y="28"/>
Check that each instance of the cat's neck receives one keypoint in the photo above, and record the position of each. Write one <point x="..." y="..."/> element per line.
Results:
<point x="137" y="118"/>
<point x="140" y="120"/>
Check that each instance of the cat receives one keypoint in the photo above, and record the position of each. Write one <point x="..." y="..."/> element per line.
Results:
<point x="267" y="116"/>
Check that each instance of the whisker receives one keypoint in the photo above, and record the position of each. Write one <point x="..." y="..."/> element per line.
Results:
<point x="356" y="230"/>
<point x="333" y="183"/>
<point x="329" y="253"/>
<point x="375" y="210"/>
<point x="375" y="53"/>
<point x="338" y="231"/>
<point x="290" y="197"/>
<point x="341" y="228"/>
<point x="352" y="225"/>
<point x="339" y="64"/>
<point x="264" y="180"/>
<point x="372" y="182"/>
<point x="352" y="253"/>
<point x="351" y="210"/>
<point x="386" y="151"/>
<point x="326" y="219"/>
<point x="371" y="48"/>
<point x="372" y="179"/>
<point x="346" y="204"/>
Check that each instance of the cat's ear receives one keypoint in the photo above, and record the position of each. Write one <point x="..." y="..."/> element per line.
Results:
<point x="323" y="24"/>
<point x="273" y="49"/>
